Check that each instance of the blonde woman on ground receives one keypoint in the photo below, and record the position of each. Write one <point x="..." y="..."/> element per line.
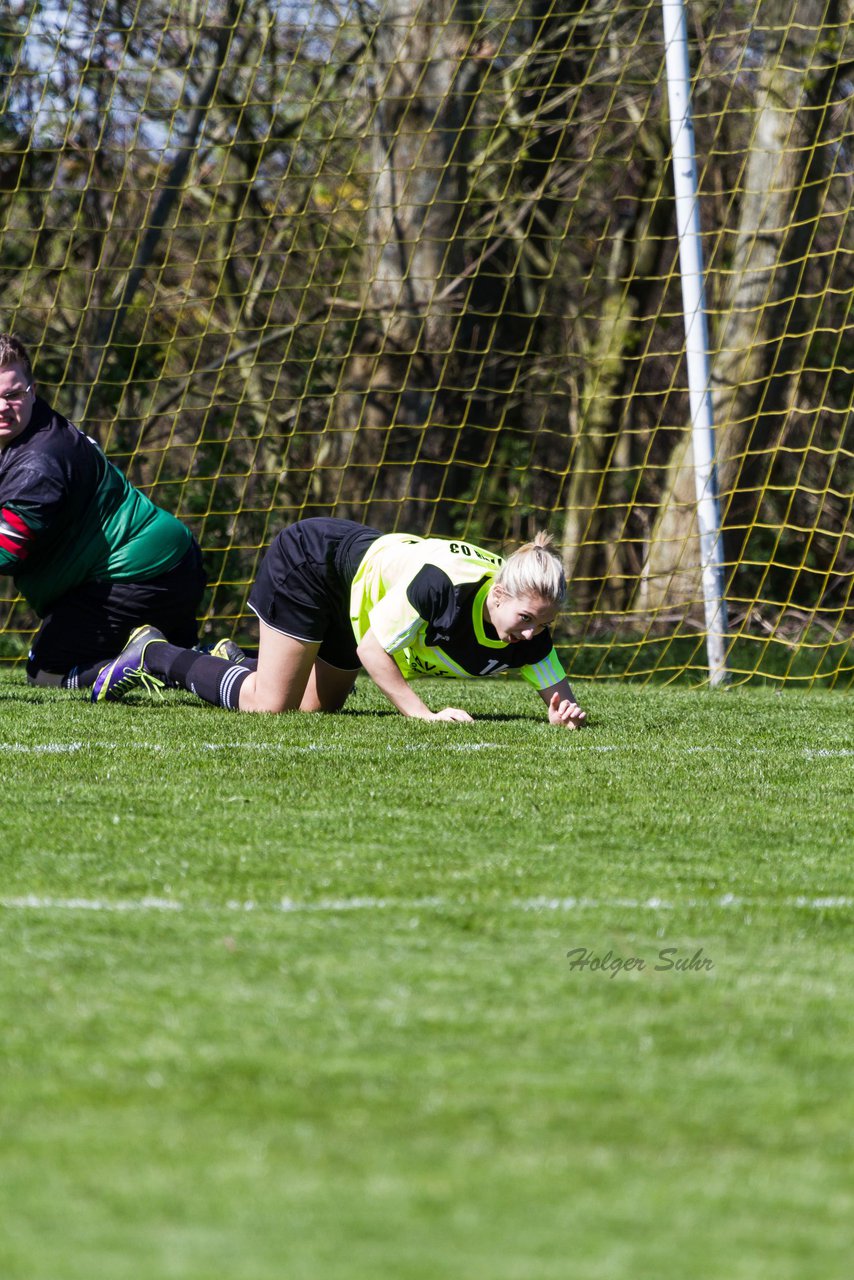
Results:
<point x="334" y="597"/>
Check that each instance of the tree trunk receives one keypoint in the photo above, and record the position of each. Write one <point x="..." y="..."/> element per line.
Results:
<point x="755" y="352"/>
<point x="591" y="544"/>
<point x="399" y="410"/>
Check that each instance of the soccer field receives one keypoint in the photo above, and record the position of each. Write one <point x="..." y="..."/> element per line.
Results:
<point x="292" y="997"/>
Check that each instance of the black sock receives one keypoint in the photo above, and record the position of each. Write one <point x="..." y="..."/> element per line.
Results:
<point x="82" y="677"/>
<point x="213" y="679"/>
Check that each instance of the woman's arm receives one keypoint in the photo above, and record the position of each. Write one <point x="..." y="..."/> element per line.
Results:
<point x="385" y="673"/>
<point x="562" y="707"/>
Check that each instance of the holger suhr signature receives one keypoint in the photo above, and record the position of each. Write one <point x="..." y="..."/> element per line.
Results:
<point x="667" y="960"/>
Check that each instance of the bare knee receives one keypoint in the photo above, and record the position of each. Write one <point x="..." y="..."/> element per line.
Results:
<point x="265" y="701"/>
<point x="327" y="690"/>
<point x="312" y="702"/>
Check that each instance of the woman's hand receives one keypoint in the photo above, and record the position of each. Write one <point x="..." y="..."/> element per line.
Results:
<point x="451" y="713"/>
<point x="566" y="713"/>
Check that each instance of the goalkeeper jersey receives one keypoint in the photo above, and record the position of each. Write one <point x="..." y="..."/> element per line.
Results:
<point x="423" y="599"/>
<point x="68" y="516"/>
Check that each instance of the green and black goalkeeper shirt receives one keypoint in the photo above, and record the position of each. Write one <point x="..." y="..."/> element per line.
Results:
<point x="68" y="516"/>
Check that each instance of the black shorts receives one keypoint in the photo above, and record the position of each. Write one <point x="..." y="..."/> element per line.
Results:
<point x="92" y="622"/>
<point x="303" y="585"/>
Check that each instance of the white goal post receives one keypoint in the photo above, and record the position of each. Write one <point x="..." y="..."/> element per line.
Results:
<point x="696" y="334"/>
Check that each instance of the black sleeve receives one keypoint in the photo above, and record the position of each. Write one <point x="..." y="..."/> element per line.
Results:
<point x="31" y="494"/>
<point x="37" y="490"/>
<point x="434" y="597"/>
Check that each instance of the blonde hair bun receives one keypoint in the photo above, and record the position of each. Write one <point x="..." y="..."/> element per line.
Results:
<point x="534" y="570"/>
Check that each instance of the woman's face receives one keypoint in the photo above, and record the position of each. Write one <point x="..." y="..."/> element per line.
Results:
<point x="518" y="618"/>
<point x="16" y="403"/>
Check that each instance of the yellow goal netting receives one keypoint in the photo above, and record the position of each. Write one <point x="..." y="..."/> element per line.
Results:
<point x="414" y="262"/>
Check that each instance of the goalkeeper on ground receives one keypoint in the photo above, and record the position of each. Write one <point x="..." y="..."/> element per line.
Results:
<point x="91" y="554"/>
<point x="334" y="597"/>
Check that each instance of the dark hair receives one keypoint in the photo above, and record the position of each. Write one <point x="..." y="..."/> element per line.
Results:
<point x="14" y="352"/>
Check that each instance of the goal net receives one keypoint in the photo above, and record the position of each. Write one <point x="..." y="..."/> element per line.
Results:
<point x="414" y="262"/>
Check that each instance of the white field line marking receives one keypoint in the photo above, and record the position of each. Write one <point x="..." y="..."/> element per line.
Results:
<point x="63" y="748"/>
<point x="34" y="902"/>
<point x="288" y="906"/>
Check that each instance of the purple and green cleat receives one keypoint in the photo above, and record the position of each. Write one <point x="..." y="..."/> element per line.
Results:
<point x="128" y="671"/>
<point x="228" y="650"/>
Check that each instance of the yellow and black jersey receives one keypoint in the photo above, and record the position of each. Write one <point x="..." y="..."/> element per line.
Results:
<point x="424" y="600"/>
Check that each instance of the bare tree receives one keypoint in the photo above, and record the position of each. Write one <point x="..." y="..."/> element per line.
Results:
<point x="756" y="349"/>
<point x="399" y="407"/>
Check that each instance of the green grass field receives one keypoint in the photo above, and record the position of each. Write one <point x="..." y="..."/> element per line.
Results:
<point x="290" y="998"/>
